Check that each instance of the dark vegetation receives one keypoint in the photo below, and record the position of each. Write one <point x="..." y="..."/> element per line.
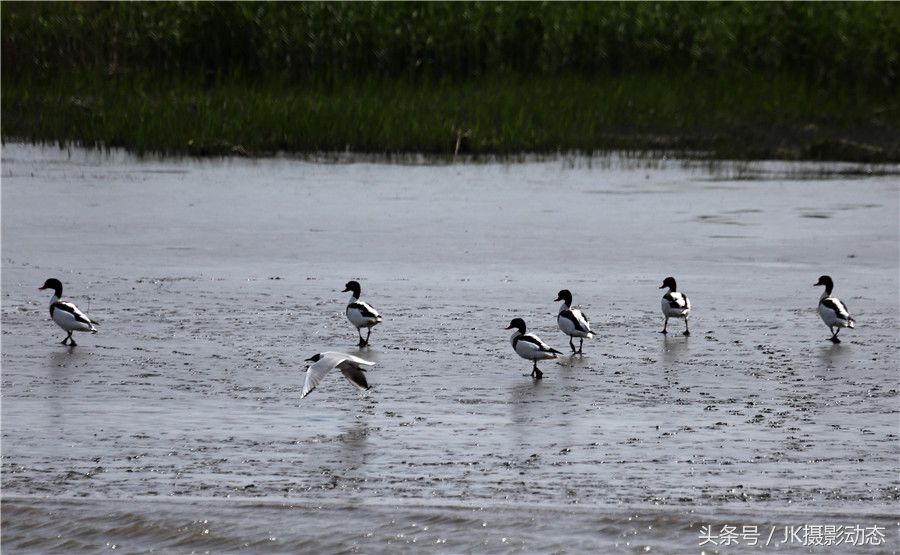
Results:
<point x="745" y="80"/>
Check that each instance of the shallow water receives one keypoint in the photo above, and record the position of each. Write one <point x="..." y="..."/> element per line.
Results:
<point x="179" y="426"/>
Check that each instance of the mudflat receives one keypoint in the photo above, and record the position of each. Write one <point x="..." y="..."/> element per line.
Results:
<point x="179" y="425"/>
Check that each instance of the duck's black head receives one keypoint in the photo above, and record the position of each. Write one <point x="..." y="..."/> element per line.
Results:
<point x="352" y="285"/>
<point x="564" y="295"/>
<point x="517" y="323"/>
<point x="668" y="282"/>
<point x="826" y="281"/>
<point x="54" y="284"/>
<point x="314" y="358"/>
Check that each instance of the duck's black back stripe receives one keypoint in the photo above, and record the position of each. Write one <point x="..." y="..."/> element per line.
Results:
<point x="66" y="307"/>
<point x="363" y="309"/>
<point x="568" y="315"/>
<point x="529" y="339"/>
<point x="837" y="306"/>
<point x="675" y="303"/>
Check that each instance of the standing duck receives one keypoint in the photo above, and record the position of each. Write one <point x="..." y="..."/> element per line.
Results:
<point x="360" y="314"/>
<point x="833" y="312"/>
<point x="572" y="321"/>
<point x="65" y="314"/>
<point x="675" y="304"/>
<point x="530" y="346"/>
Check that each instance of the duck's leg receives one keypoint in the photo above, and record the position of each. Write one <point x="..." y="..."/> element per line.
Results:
<point x="537" y="373"/>
<point x="572" y="343"/>
<point x="72" y="340"/>
<point x="686" y="330"/>
<point x="65" y="340"/>
<point x="368" y="333"/>
<point x="580" y="345"/>
<point x="665" y="325"/>
<point x="362" y="342"/>
<point x="834" y="335"/>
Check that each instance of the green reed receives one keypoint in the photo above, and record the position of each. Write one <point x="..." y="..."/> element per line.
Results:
<point x="734" y="79"/>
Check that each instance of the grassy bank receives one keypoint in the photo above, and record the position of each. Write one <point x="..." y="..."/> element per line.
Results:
<point x="746" y="116"/>
<point x="812" y="81"/>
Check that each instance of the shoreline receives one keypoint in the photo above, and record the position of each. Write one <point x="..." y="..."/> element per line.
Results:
<point x="735" y="168"/>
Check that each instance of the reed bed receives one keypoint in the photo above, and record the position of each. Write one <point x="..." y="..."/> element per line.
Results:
<point x="789" y="80"/>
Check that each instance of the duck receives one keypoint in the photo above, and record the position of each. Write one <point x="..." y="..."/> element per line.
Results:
<point x="65" y="314"/>
<point x="675" y="305"/>
<point x="530" y="346"/>
<point x="360" y="314"/>
<point x="572" y="321"/>
<point x="353" y="368"/>
<point x="832" y="310"/>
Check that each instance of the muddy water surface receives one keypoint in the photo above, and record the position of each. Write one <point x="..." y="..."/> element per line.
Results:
<point x="179" y="426"/>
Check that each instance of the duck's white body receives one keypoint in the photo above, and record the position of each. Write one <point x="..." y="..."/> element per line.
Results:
<point x="834" y="313"/>
<point x="69" y="317"/>
<point x="351" y="367"/>
<point x="362" y="314"/>
<point x="676" y="305"/>
<point x="573" y="322"/>
<point x="530" y="346"/>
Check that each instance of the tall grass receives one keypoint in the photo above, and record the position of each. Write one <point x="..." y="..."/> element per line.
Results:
<point x="496" y="116"/>
<point x="821" y="42"/>
<point x="737" y="79"/>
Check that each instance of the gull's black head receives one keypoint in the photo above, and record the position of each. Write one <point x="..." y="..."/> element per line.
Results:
<point x="353" y="286"/>
<point x="564" y="295"/>
<point x="517" y="323"/>
<point x="826" y="281"/>
<point x="54" y="284"/>
<point x="314" y="358"/>
<point x="668" y="282"/>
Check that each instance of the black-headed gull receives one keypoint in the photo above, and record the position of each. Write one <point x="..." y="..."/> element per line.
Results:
<point x="351" y="367"/>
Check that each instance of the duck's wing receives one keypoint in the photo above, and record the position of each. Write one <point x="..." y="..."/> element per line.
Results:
<point x="76" y="313"/>
<point x="365" y="309"/>
<point x="531" y="342"/>
<point x="582" y="319"/>
<point x="837" y="306"/>
<point x="677" y="300"/>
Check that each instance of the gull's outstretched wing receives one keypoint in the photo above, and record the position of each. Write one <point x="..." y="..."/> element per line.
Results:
<point x="354" y="375"/>
<point x="352" y="367"/>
